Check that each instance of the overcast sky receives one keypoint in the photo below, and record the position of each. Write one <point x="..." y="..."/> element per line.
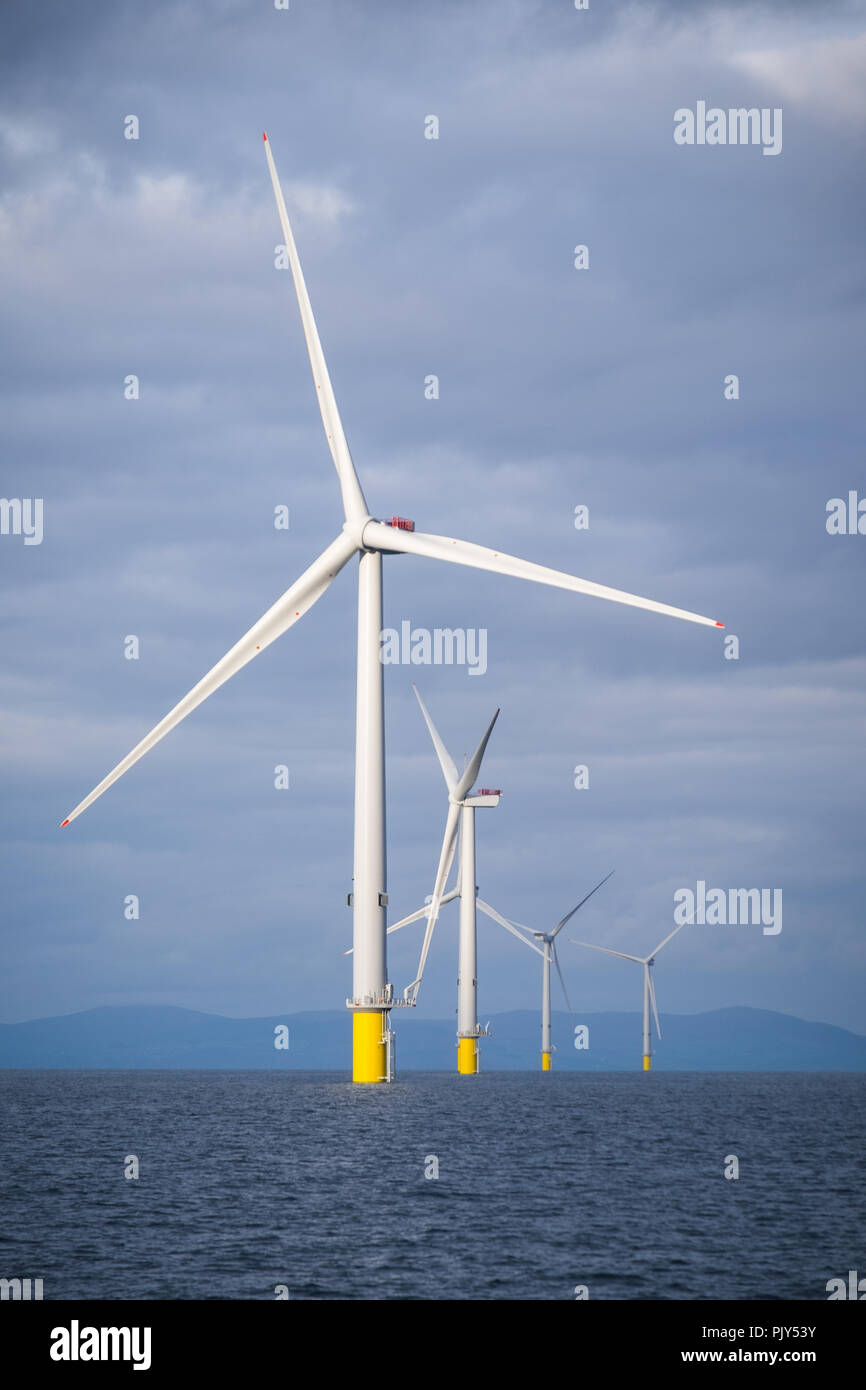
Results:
<point x="558" y="387"/>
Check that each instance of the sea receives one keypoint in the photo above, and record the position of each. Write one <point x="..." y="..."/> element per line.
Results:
<point x="506" y="1185"/>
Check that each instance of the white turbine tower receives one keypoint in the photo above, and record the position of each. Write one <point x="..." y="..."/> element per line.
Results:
<point x="363" y="536"/>
<point x="649" y="993"/>
<point x="548" y="952"/>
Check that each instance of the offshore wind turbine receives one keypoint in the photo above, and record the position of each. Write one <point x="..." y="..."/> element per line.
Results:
<point x="548" y="952"/>
<point x="649" y="993"/>
<point x="369" y="539"/>
<point x="460" y="821"/>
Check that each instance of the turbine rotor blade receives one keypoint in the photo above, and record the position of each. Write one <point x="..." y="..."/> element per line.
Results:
<point x="666" y="940"/>
<point x="413" y="917"/>
<point x="473" y="767"/>
<point x="279" y="617"/>
<point x="380" y="537"/>
<point x="561" y="980"/>
<point x="652" y="995"/>
<point x="607" y="951"/>
<point x="423" y="911"/>
<point x="446" y="762"/>
<point x="446" y="859"/>
<point x="509" y="926"/>
<point x="354" y="503"/>
<point x="559" y="926"/>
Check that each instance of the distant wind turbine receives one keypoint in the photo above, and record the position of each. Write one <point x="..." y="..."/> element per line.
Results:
<point x="649" y="993"/>
<point x="462" y="805"/>
<point x="549" y="954"/>
<point x="363" y="536"/>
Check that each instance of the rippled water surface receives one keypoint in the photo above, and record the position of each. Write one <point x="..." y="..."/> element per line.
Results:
<point x="253" y="1179"/>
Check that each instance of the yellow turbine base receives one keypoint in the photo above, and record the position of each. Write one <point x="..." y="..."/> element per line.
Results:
<point x="545" y="1061"/>
<point x="646" y="1063"/>
<point x="368" y="1047"/>
<point x="467" y="1056"/>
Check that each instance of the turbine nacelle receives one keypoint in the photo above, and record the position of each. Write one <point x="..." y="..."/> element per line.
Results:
<point x="355" y="526"/>
<point x="480" y="799"/>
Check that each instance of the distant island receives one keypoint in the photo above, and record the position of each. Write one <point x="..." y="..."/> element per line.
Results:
<point x="167" y="1038"/>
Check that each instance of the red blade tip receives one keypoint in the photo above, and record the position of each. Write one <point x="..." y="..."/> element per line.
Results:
<point x="264" y="135"/>
<point x="720" y="625"/>
<point x="66" y="822"/>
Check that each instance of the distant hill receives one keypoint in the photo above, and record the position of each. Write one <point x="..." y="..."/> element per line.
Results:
<point x="140" y="1036"/>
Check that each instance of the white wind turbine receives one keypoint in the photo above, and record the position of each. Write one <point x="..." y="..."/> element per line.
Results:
<point x="363" y="536"/>
<point x="549" y="955"/>
<point x="460" y="820"/>
<point x="649" y="993"/>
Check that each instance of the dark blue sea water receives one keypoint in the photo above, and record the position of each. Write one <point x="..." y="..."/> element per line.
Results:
<point x="253" y="1179"/>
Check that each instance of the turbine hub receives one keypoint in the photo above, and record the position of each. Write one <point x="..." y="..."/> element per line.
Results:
<point x="355" y="527"/>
